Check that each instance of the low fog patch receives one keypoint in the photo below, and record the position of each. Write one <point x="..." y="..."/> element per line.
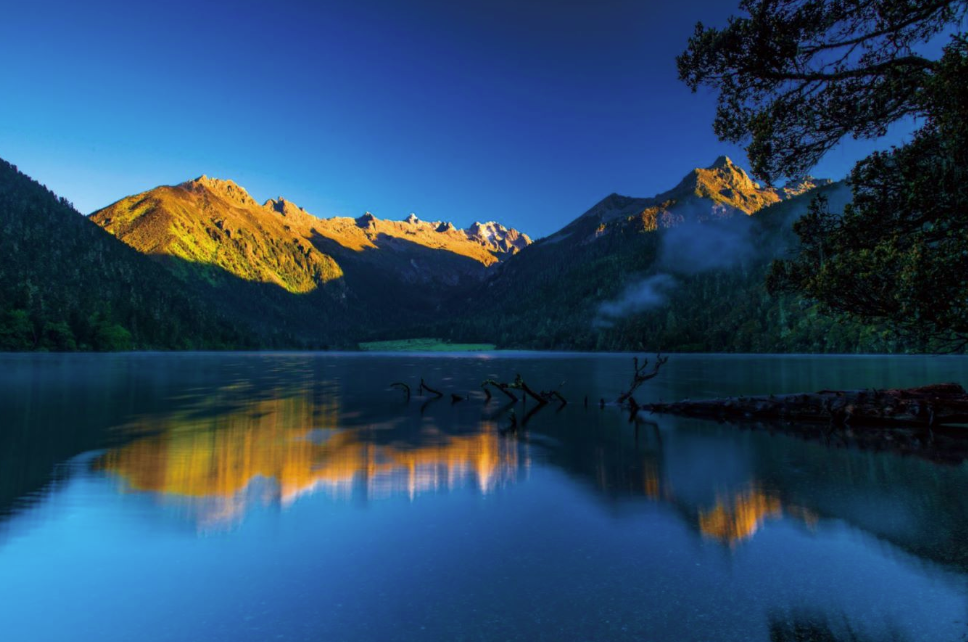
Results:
<point x="687" y="249"/>
<point x="692" y="248"/>
<point x="646" y="294"/>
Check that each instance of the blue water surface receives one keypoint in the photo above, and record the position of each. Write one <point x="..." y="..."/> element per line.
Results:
<point x="301" y="497"/>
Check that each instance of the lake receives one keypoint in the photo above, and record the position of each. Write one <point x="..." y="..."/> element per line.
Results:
<point x="295" y="496"/>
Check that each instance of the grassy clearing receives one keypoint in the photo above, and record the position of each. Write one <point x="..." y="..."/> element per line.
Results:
<point x="424" y="345"/>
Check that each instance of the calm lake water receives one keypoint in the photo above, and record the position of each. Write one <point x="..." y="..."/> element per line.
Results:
<point x="248" y="497"/>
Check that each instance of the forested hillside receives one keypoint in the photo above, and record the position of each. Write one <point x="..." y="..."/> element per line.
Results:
<point x="636" y="286"/>
<point x="66" y="284"/>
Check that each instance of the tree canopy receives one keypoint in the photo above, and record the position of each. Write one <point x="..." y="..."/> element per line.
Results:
<point x="797" y="76"/>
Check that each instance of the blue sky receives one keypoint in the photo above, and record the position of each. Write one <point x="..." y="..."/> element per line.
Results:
<point x="523" y="112"/>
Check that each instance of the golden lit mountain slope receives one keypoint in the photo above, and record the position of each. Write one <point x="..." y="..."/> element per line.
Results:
<point x="485" y="243"/>
<point x="215" y="223"/>
<point x="210" y="222"/>
<point x="721" y="190"/>
<point x="725" y="184"/>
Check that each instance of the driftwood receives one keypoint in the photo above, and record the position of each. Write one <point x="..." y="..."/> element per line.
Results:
<point x="519" y="384"/>
<point x="927" y="406"/>
<point x="554" y="394"/>
<point x="424" y="386"/>
<point x="542" y="397"/>
<point x="402" y="386"/>
<point x="503" y="387"/>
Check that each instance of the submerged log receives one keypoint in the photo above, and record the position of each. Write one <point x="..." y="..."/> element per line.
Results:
<point x="929" y="406"/>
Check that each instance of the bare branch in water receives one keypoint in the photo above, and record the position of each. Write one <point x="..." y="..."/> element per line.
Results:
<point x="402" y="386"/>
<point x="424" y="386"/>
<point x="640" y="376"/>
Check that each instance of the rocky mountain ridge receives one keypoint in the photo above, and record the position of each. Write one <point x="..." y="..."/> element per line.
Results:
<point x="216" y="224"/>
<point x="719" y="191"/>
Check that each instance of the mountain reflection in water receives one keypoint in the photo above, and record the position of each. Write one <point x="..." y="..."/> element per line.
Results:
<point x="286" y="447"/>
<point x="739" y="517"/>
<point x="216" y="461"/>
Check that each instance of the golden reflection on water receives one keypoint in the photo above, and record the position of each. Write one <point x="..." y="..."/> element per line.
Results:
<point x="219" y="459"/>
<point x="292" y="446"/>
<point x="737" y="518"/>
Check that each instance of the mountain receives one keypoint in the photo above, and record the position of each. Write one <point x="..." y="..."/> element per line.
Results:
<point x="215" y="223"/>
<point x="347" y="273"/>
<point x="214" y="226"/>
<point x="721" y="198"/>
<point x="730" y="190"/>
<point x="203" y="264"/>
<point x="720" y="191"/>
<point x="681" y="271"/>
<point x="66" y="284"/>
